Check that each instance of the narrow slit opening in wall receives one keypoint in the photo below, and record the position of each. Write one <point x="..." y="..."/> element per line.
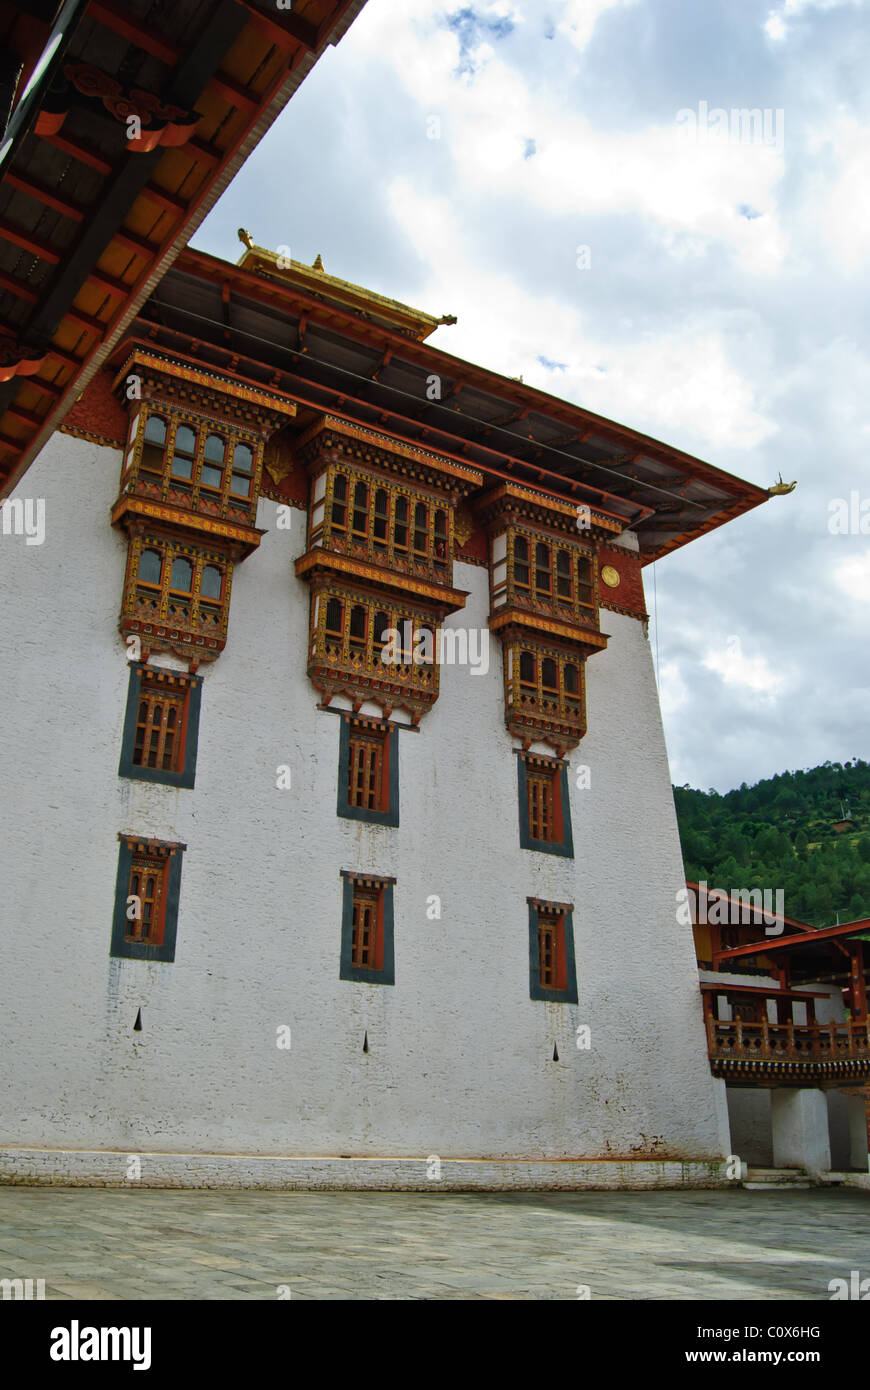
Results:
<point x="137" y="1026"/>
<point x="366" y="1042"/>
<point x="555" y="1052"/>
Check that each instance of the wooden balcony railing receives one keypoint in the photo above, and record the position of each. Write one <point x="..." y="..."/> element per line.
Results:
<point x="803" y="1053"/>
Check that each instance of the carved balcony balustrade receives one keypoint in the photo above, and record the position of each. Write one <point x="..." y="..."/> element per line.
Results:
<point x="788" y="1054"/>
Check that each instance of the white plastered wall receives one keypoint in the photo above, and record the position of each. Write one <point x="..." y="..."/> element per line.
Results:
<point x="460" y="1058"/>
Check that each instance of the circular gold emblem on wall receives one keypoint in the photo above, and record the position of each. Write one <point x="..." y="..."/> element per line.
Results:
<point x="610" y="576"/>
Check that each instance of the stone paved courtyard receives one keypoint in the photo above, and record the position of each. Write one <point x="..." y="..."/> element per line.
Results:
<point x="94" y="1244"/>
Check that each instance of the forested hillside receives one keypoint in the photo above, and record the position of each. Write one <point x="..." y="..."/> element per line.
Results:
<point x="780" y="834"/>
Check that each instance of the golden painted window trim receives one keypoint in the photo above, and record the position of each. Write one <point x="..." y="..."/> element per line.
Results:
<point x="324" y="536"/>
<point x="161" y="632"/>
<point x="134" y="483"/>
<point x="528" y="601"/>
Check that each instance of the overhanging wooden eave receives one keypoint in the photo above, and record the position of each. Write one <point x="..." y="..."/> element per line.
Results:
<point x="57" y="320"/>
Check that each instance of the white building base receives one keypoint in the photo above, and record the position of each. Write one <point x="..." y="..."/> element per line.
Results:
<point x="858" y="1157"/>
<point x="800" y="1129"/>
<point x="103" y="1168"/>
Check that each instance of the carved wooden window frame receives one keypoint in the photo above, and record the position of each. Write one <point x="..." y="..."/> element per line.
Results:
<point x="201" y="558"/>
<point x="522" y="571"/>
<point x="366" y="891"/>
<point x="551" y="776"/>
<point x="138" y="855"/>
<point x="570" y="705"/>
<point x="223" y="500"/>
<point x="360" y="735"/>
<point x="147" y="683"/>
<point x="365" y="653"/>
<point x="553" y="923"/>
<point x="432" y="559"/>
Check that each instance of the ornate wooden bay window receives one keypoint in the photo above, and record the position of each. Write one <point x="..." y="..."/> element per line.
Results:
<point x="379" y="563"/>
<point x="188" y="496"/>
<point x="544" y="606"/>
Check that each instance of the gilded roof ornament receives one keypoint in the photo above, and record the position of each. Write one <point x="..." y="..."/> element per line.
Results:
<point x="779" y="488"/>
<point x="246" y="239"/>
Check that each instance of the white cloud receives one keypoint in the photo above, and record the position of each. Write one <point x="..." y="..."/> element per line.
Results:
<point x="688" y="192"/>
<point x="664" y="381"/>
<point x="777" y="29"/>
<point x="673" y="691"/>
<point x="853" y="577"/>
<point x="747" y="672"/>
<point x="838" y="202"/>
<point x="579" y="18"/>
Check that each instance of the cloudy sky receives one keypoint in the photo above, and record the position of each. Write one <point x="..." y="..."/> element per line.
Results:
<point x="697" y="277"/>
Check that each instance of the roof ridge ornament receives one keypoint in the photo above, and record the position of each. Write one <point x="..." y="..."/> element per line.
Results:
<point x="779" y="488"/>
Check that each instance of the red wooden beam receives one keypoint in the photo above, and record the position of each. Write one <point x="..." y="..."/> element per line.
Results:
<point x="233" y="93"/>
<point x="16" y="287"/>
<point x="121" y="22"/>
<point x="85" y="154"/>
<point x="44" y="195"/>
<point x="30" y="243"/>
<point x="26" y="415"/>
<point x="177" y="206"/>
<point x="136" y="243"/>
<point x="289" y="32"/>
<point x="830" y="934"/>
<point x="86" y="321"/>
<point x="108" y="282"/>
<point x="209" y="154"/>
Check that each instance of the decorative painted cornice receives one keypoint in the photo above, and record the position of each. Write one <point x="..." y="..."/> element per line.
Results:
<point x="335" y="566"/>
<point x="333" y="433"/>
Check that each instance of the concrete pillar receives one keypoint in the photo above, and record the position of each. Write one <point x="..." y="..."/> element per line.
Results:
<point x="723" y="1124"/>
<point x="800" y="1129"/>
<point x="857" y="1133"/>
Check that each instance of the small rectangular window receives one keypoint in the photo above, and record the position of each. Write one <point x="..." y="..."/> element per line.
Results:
<point x="147" y="892"/>
<point x="367" y="954"/>
<point x="552" y="968"/>
<point x="549" y="955"/>
<point x="540" y="796"/>
<point x="161" y="726"/>
<point x="146" y="899"/>
<point x="368" y="770"/>
<point x="364" y="936"/>
<point x="544" y="805"/>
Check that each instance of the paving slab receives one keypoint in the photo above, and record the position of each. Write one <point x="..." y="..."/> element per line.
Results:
<point x="140" y="1244"/>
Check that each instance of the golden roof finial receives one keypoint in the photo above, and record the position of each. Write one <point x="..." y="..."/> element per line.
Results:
<point x="246" y="239"/>
<point x="318" y="262"/>
<point x="780" y="488"/>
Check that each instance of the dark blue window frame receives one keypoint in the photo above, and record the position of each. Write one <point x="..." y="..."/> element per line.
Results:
<point x="347" y="970"/>
<point x="568" y="995"/>
<point x="565" y="846"/>
<point x="344" y="808"/>
<point x="139" y="950"/>
<point x="190" y="734"/>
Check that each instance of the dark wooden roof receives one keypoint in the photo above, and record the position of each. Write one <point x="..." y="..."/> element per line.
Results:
<point x="340" y="357"/>
<point x="92" y="211"/>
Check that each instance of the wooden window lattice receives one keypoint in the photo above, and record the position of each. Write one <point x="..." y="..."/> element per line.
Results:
<point x="365" y="927"/>
<point x="159" y="725"/>
<point x="366" y="771"/>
